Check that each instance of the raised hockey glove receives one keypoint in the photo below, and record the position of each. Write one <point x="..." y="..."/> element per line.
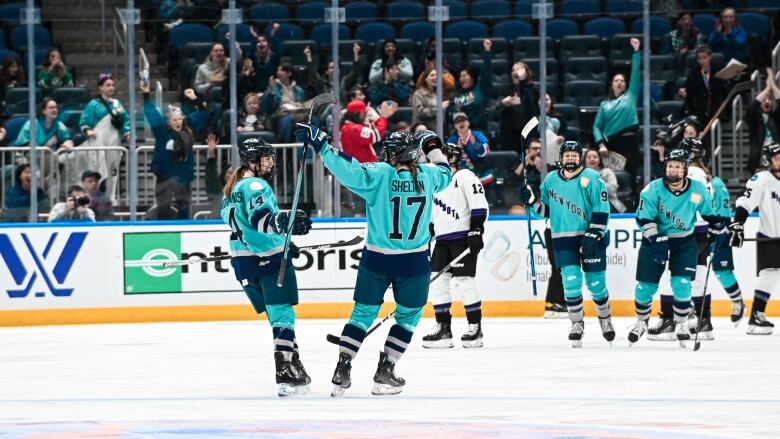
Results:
<point x="717" y="233"/>
<point x="591" y="241"/>
<point x="310" y="134"/>
<point x="659" y="249"/>
<point x="475" y="241"/>
<point x="526" y="196"/>
<point x="737" y="231"/>
<point x="280" y="222"/>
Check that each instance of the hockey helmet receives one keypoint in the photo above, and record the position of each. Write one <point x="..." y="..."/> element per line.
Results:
<point x="252" y="149"/>
<point x="399" y="148"/>
<point x="770" y="151"/>
<point x="571" y="146"/>
<point x="454" y="155"/>
<point x="422" y="138"/>
<point x="676" y="155"/>
<point x="695" y="148"/>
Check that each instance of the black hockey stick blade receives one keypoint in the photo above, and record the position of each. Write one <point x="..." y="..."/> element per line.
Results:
<point x="354" y="241"/>
<point x="333" y="338"/>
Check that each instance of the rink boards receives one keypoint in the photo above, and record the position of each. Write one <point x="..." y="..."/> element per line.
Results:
<point x="99" y="272"/>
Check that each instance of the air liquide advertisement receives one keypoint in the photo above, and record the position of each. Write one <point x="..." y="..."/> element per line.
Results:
<point x="98" y="266"/>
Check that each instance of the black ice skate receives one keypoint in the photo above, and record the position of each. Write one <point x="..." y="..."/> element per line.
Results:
<point x="341" y="376"/>
<point x="682" y="333"/>
<point x="555" y="311"/>
<point x="299" y="369"/>
<point x="706" y="329"/>
<point x="759" y="325"/>
<point x="473" y="337"/>
<point x="440" y="337"/>
<point x="385" y="380"/>
<point x="737" y="312"/>
<point x="288" y="381"/>
<point x="607" y="330"/>
<point x="576" y="332"/>
<point x="663" y="330"/>
<point x="639" y="330"/>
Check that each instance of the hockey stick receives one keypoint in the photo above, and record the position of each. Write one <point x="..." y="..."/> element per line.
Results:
<point x="530" y="232"/>
<point x="335" y="339"/>
<point x="325" y="98"/>
<point x="354" y="241"/>
<point x="696" y="342"/>
<point x="739" y="88"/>
<point x="761" y="239"/>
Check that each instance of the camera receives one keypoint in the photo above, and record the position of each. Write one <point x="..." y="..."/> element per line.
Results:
<point x="82" y="201"/>
<point x="671" y="134"/>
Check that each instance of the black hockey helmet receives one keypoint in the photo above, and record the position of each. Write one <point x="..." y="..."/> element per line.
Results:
<point x="422" y="138"/>
<point x="454" y="154"/>
<point x="252" y="149"/>
<point x="770" y="151"/>
<point x="571" y="146"/>
<point x="695" y="148"/>
<point x="677" y="155"/>
<point x="399" y="148"/>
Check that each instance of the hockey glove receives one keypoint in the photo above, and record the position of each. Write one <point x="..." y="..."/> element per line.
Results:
<point x="295" y="251"/>
<point x="591" y="241"/>
<point x="717" y="233"/>
<point x="475" y="241"/>
<point x="526" y="196"/>
<point x="280" y="222"/>
<point x="659" y="249"/>
<point x="737" y="230"/>
<point x="310" y="134"/>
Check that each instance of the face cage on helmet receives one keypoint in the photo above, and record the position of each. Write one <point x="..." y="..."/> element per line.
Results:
<point x="269" y="175"/>
<point x="666" y="170"/>
<point x="577" y="165"/>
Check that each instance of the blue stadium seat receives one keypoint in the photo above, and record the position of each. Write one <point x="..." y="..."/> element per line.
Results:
<point x="579" y="8"/>
<point x="475" y="48"/>
<point x="243" y="34"/>
<point x="558" y="28"/>
<point x="406" y="10"/>
<point x="620" y="50"/>
<point x="41" y="37"/>
<point x="569" y="112"/>
<point x="418" y="31"/>
<point x="524" y="8"/>
<point x="458" y="9"/>
<point x="361" y="11"/>
<point x="321" y="33"/>
<point x="371" y="32"/>
<point x="511" y="29"/>
<point x="705" y="23"/>
<point x="71" y="98"/>
<point x="16" y="99"/>
<point x="659" y="26"/>
<point x="466" y="30"/>
<point x="270" y="11"/>
<point x="663" y="68"/>
<point x="528" y="47"/>
<point x="552" y="68"/>
<point x="8" y="54"/>
<point x="755" y="23"/>
<point x="605" y="27"/>
<point x="10" y="14"/>
<point x="762" y="4"/>
<point x="40" y="56"/>
<point x="584" y="93"/>
<point x="579" y="46"/>
<point x="189" y="33"/>
<point x="311" y="11"/>
<point x="665" y="108"/>
<point x="3" y="44"/>
<point x="491" y="9"/>
<point x="623" y="7"/>
<point x="286" y="32"/>
<point x="13" y="126"/>
<point x="593" y="68"/>
<point x="293" y="51"/>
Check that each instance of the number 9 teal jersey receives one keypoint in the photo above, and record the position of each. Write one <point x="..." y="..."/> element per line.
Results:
<point x="398" y="215"/>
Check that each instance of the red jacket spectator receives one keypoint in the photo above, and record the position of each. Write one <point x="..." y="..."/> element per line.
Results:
<point x="358" y="138"/>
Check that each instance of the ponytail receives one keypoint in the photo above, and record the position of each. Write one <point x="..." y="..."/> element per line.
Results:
<point x="238" y="175"/>
<point x="413" y="170"/>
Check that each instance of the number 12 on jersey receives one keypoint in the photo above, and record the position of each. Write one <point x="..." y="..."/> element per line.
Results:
<point x="398" y="203"/>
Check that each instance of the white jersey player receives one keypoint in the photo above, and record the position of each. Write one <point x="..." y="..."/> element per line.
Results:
<point x="459" y="216"/>
<point x="763" y="192"/>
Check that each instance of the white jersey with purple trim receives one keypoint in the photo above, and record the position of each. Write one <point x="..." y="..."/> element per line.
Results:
<point x="762" y="191"/>
<point x="455" y="205"/>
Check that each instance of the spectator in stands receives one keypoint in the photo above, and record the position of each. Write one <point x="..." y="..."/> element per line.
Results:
<point x="246" y="82"/>
<point x="391" y="89"/>
<point x="18" y="196"/>
<point x="173" y="163"/>
<point x="473" y="142"/>
<point x="249" y="116"/>
<point x="703" y="91"/>
<point x="519" y="105"/>
<point x="100" y="203"/>
<point x="472" y="94"/>
<point x="74" y="208"/>
<point x="49" y="131"/>
<point x="530" y="169"/>
<point x="11" y="76"/>
<point x="104" y="122"/>
<point x="424" y="103"/>
<point x="593" y="161"/>
<point x="614" y="129"/>
<point x="419" y="127"/>
<point x="447" y="79"/>
<point x="691" y="129"/>
<point x="763" y="119"/>
<point x="355" y="77"/>
<point x="213" y="71"/>
<point x="314" y="83"/>
<point x="282" y="99"/>
<point x="402" y="127"/>
<point x="53" y="74"/>
<point x="390" y="53"/>
<point x="174" y="12"/>
<point x="682" y="39"/>
<point x="265" y="58"/>
<point x="556" y="128"/>
<point x="729" y="37"/>
<point x="359" y="133"/>
<point x="215" y="181"/>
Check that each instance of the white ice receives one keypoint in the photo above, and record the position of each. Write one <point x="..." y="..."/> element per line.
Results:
<point x="217" y="380"/>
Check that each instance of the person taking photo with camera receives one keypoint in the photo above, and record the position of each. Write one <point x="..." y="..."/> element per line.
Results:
<point x="74" y="208"/>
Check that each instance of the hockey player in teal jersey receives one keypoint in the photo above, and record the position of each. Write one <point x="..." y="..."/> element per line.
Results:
<point x="666" y="215"/>
<point x="399" y="200"/>
<point x="575" y="199"/>
<point x="256" y="246"/>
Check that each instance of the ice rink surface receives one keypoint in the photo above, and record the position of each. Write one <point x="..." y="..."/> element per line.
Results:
<point x="201" y="380"/>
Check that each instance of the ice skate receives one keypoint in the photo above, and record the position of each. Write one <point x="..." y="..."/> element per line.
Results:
<point x="576" y="332"/>
<point x="682" y="333"/>
<point x="555" y="311"/>
<point x="737" y="312"/>
<point x="706" y="329"/>
<point x="385" y="380"/>
<point x="341" y="376"/>
<point x="440" y="337"/>
<point x="607" y="330"/>
<point x="637" y="332"/>
<point x="288" y="381"/>
<point x="662" y="331"/>
<point x="473" y="337"/>
<point x="759" y="325"/>
<point x="300" y="370"/>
